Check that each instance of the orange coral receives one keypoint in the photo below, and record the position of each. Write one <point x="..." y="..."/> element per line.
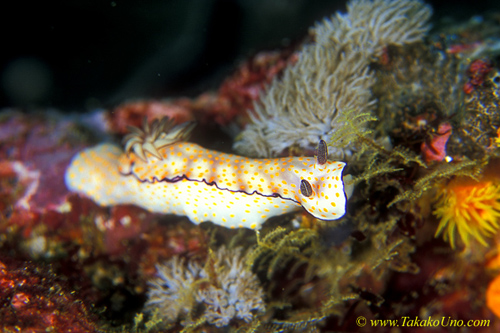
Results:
<point x="493" y="296"/>
<point x="469" y="208"/>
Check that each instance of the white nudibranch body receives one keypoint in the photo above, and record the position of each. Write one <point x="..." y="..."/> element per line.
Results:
<point x="183" y="178"/>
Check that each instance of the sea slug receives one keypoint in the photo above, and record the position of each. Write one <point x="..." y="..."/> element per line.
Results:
<point x="161" y="173"/>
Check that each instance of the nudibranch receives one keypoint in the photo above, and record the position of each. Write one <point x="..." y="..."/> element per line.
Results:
<point x="162" y="173"/>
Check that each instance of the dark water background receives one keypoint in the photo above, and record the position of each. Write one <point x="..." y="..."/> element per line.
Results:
<point x="79" y="55"/>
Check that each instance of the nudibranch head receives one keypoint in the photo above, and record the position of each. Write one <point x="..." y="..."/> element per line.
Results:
<point x="323" y="193"/>
<point x="149" y="139"/>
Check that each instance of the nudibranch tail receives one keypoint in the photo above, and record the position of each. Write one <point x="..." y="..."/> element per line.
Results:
<point x="161" y="173"/>
<point x="94" y="172"/>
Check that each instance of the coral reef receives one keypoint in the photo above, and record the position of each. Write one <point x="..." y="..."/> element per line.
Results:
<point x="236" y="291"/>
<point x="34" y="152"/>
<point x="225" y="107"/>
<point x="468" y="208"/>
<point x="171" y="293"/>
<point x="332" y="76"/>
<point x="33" y="300"/>
<point x="419" y="237"/>
<point x="419" y="87"/>
<point x="225" y="287"/>
<point x="481" y="115"/>
<point x="133" y="113"/>
<point x="435" y="149"/>
<point x="238" y="93"/>
<point x="493" y="296"/>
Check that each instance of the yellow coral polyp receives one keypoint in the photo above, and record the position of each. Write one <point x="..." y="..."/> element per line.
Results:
<point x="468" y="208"/>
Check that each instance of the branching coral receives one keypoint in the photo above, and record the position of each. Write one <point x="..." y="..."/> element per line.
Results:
<point x="226" y="288"/>
<point x="331" y="76"/>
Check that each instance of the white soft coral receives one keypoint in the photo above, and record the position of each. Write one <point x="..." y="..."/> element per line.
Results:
<point x="234" y="292"/>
